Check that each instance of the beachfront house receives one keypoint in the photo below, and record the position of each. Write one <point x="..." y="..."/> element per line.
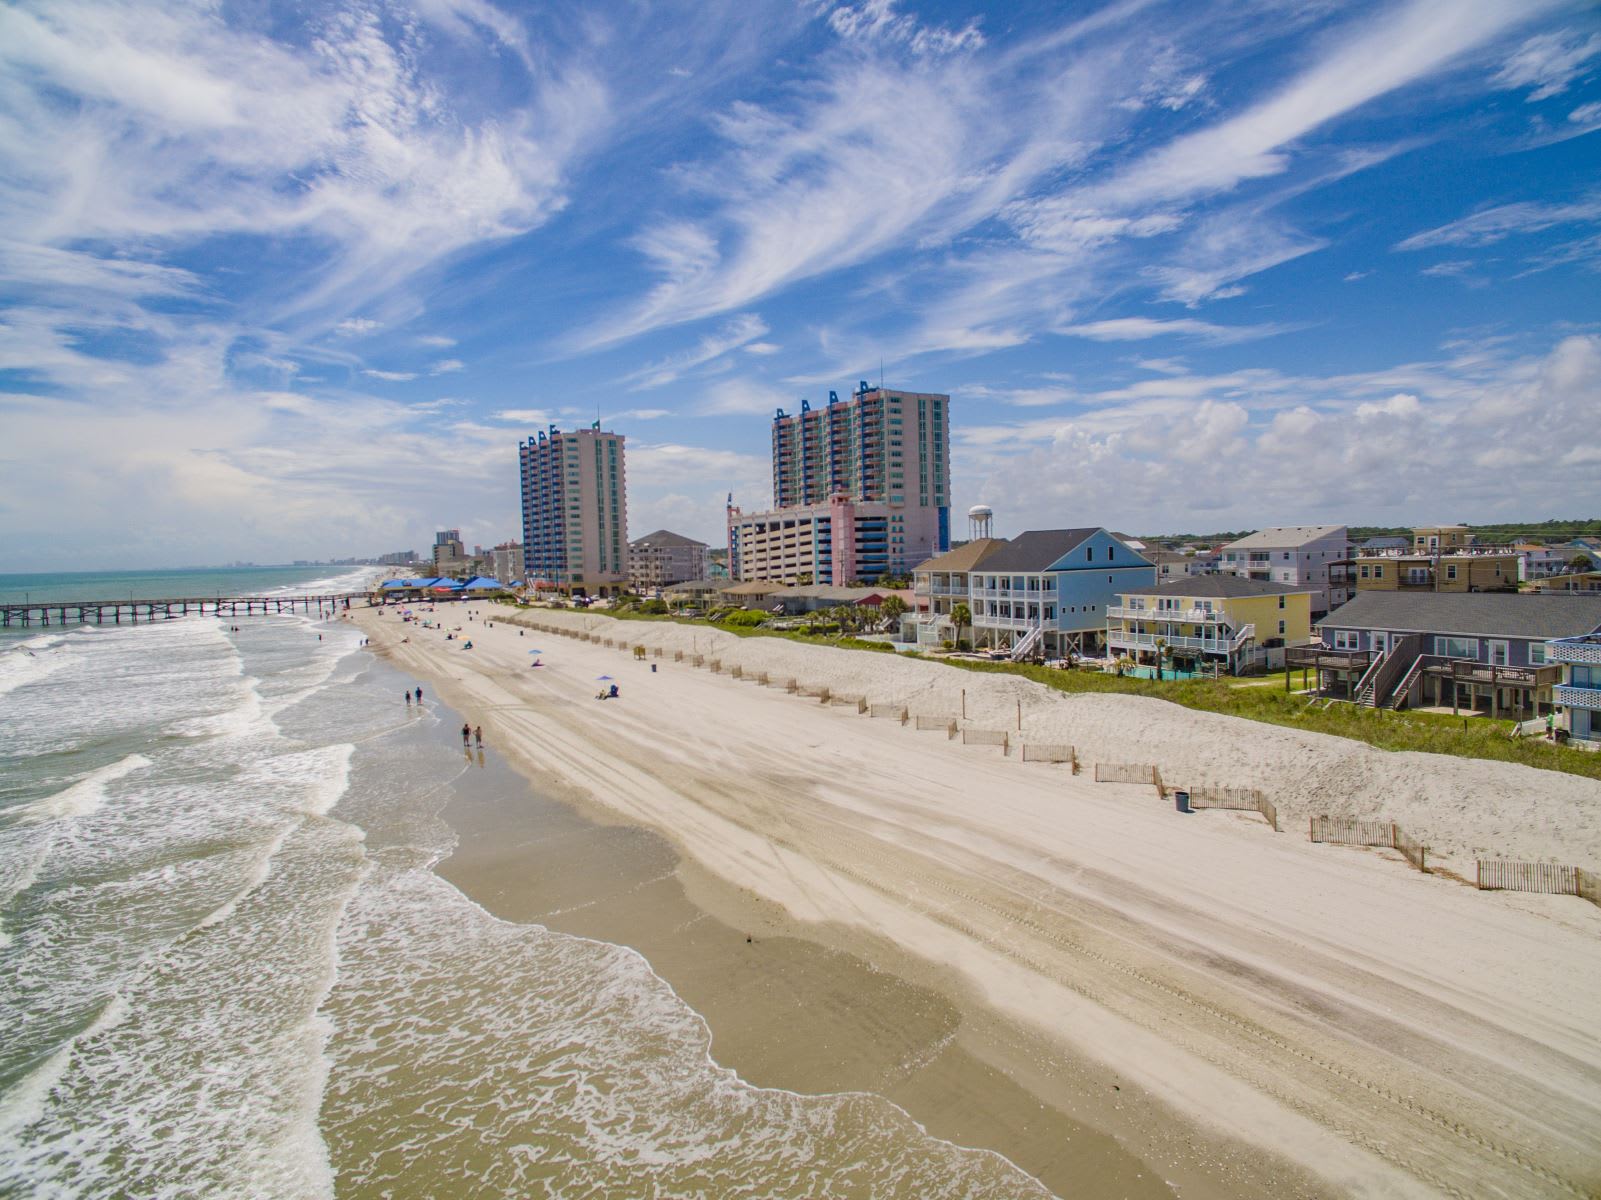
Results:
<point x="939" y="584"/>
<point x="1210" y="622"/>
<point x="1298" y="555"/>
<point x="1579" y="693"/>
<point x="1466" y="569"/>
<point x="1047" y="591"/>
<point x="1484" y="651"/>
<point x="1575" y="581"/>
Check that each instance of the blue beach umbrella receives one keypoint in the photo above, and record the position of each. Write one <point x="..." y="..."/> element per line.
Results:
<point x="536" y="652"/>
<point x="603" y="677"/>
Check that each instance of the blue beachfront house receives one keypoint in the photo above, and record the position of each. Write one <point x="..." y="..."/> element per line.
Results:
<point x="1580" y="690"/>
<point x="1048" y="590"/>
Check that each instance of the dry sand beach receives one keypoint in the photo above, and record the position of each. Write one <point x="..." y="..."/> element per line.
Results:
<point x="1122" y="999"/>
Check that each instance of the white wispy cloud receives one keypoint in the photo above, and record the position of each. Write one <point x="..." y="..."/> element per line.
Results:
<point x="436" y="341"/>
<point x="356" y="326"/>
<point x="739" y="332"/>
<point x="1134" y="329"/>
<point x="389" y="376"/>
<point x="1548" y="63"/>
<point x="447" y="366"/>
<point x="1491" y="225"/>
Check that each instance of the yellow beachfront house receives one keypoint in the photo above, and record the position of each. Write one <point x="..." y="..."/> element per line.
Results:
<point x="1210" y="620"/>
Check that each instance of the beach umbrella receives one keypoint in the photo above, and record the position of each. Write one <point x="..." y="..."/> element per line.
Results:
<point x="603" y="677"/>
<point x="536" y="652"/>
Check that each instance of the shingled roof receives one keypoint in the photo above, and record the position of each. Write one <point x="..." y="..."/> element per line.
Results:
<point x="1474" y="614"/>
<point x="1037" y="549"/>
<point x="665" y="538"/>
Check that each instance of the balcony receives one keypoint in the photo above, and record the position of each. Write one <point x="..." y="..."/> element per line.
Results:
<point x="1575" y="650"/>
<point x="1186" y="616"/>
<point x="1147" y="641"/>
<point x="1570" y="696"/>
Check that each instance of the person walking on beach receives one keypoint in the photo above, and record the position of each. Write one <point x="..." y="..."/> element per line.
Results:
<point x="478" y="736"/>
<point x="419" y="695"/>
<point x="407" y="694"/>
<point x="466" y="733"/>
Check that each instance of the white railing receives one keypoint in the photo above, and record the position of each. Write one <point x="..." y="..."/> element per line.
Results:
<point x="1246" y="633"/>
<point x="999" y="622"/>
<point x="1573" y="651"/>
<point x="1399" y="693"/>
<point x="1185" y="616"/>
<point x="1027" y="642"/>
<point x="1147" y="641"/>
<point x="979" y="593"/>
<point x="1576" y="697"/>
<point x="1364" y="686"/>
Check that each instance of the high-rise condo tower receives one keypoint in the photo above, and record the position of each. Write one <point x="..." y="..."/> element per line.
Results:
<point x="575" y="511"/>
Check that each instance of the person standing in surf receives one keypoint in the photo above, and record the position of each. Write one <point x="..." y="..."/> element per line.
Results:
<point x="466" y="735"/>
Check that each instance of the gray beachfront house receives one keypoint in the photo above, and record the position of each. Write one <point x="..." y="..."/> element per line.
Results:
<point x="1476" y="650"/>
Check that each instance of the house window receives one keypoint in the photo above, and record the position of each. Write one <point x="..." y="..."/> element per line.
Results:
<point x="1281" y="628"/>
<point x="1364" y="572"/>
<point x="1454" y="647"/>
<point x="1450" y="571"/>
<point x="1281" y="605"/>
<point x="1537" y="654"/>
<point x="1347" y="639"/>
<point x="1089" y="553"/>
<point x="1109" y="554"/>
<point x="1378" y="571"/>
<point x="1498" y="654"/>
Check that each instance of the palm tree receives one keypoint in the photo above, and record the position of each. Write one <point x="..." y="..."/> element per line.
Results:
<point x="961" y="617"/>
<point x="892" y="610"/>
<point x="1162" y="652"/>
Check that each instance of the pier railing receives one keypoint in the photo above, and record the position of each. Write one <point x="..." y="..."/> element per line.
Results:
<point x="114" y="612"/>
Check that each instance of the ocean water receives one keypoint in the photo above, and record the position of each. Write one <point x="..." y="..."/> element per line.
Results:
<point x="228" y="968"/>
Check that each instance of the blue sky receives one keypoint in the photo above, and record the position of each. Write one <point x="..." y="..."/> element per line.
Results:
<point x="292" y="280"/>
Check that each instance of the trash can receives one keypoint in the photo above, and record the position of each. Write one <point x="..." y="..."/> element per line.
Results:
<point x="1181" y="801"/>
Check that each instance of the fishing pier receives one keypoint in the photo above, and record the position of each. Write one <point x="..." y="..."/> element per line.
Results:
<point x="114" y="612"/>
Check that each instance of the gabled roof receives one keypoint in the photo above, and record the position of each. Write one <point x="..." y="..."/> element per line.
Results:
<point x="1037" y="549"/>
<point x="963" y="558"/>
<point x="666" y="539"/>
<point x="1227" y="587"/>
<point x="1476" y="614"/>
<point x="752" y="587"/>
<point x="1285" y="537"/>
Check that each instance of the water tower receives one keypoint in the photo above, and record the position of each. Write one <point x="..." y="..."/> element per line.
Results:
<point x="979" y="519"/>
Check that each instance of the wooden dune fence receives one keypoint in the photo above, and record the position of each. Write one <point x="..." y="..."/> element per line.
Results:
<point x="1047" y="752"/>
<point x="946" y="725"/>
<point x="988" y="737"/>
<point x="1551" y="879"/>
<point x="1345" y="832"/>
<point x="1125" y="773"/>
<point x="893" y="712"/>
<point x="1240" y="799"/>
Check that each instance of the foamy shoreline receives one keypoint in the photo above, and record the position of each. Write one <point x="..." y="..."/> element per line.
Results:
<point x="1392" y="1033"/>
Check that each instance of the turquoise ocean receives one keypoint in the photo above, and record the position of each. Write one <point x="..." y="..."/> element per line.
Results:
<point x="228" y="968"/>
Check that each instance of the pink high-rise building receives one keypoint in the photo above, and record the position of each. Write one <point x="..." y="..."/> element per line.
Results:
<point x="861" y="489"/>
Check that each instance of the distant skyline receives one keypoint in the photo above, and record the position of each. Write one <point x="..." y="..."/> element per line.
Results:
<point x="291" y="282"/>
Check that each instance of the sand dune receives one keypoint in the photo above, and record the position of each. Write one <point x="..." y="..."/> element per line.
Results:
<point x="1328" y="1008"/>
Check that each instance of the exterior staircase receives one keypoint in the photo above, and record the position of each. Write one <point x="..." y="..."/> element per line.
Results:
<point x="1026" y="643"/>
<point x="1367" y="686"/>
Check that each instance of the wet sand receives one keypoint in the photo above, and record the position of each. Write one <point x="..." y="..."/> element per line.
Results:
<point x="1061" y="971"/>
<point x="788" y="1006"/>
